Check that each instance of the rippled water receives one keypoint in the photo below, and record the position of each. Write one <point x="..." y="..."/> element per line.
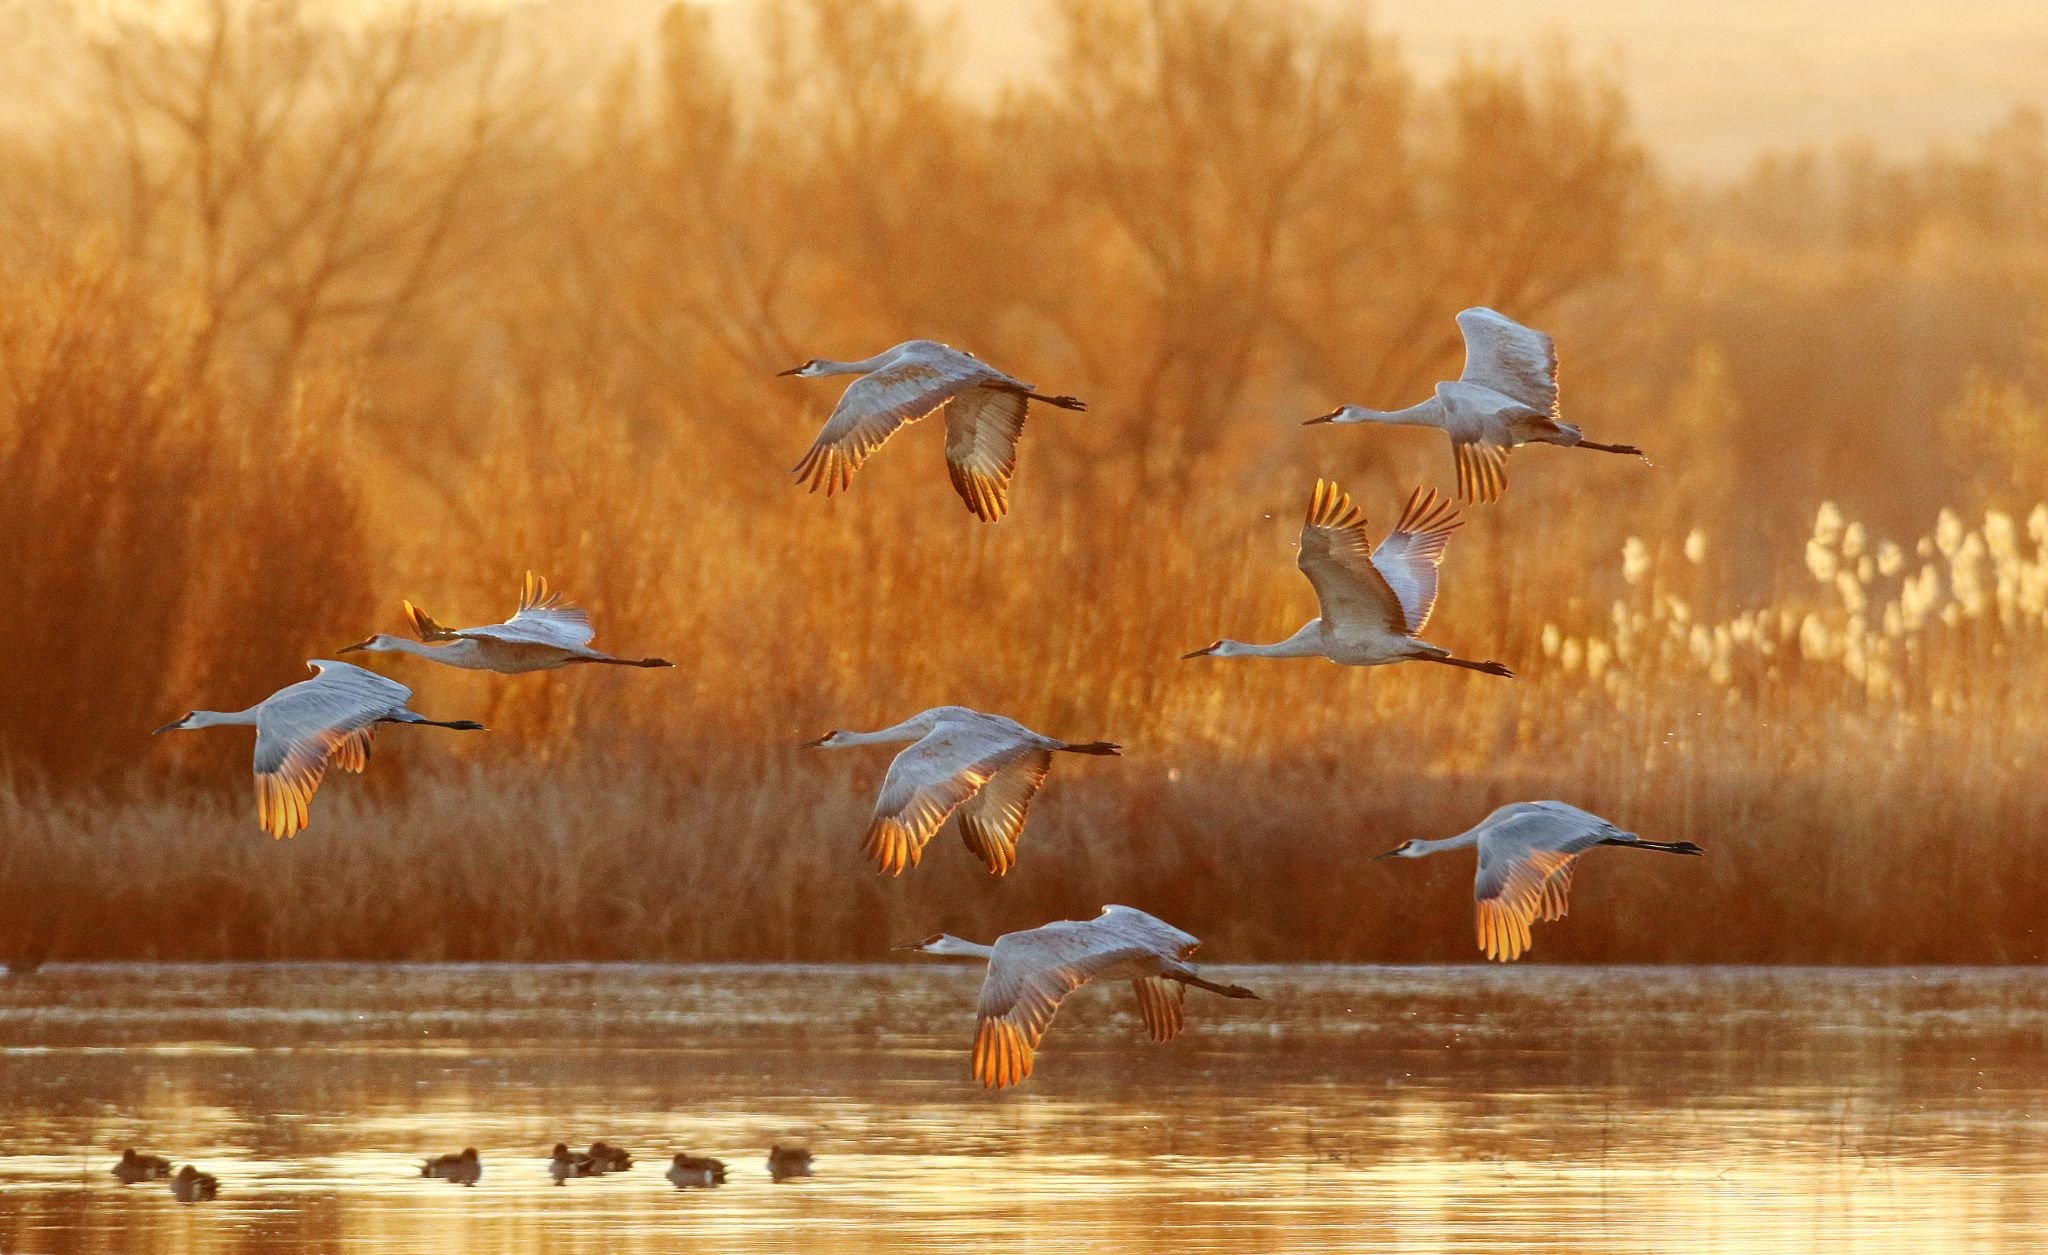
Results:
<point x="1467" y="1108"/>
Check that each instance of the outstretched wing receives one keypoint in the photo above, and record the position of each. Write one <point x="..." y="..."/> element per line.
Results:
<point x="926" y="783"/>
<point x="1516" y="361"/>
<point x="298" y="728"/>
<point x="874" y="406"/>
<point x="991" y="819"/>
<point x="1338" y="561"/>
<point x="1482" y="463"/>
<point x="1029" y="975"/>
<point x="1162" y="1005"/>
<point x="1526" y="857"/>
<point x="1407" y="559"/>
<point x="982" y="428"/>
<point x="543" y="618"/>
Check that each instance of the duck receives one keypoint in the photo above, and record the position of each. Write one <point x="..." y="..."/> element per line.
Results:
<point x="193" y="1186"/>
<point x="604" y="1157"/>
<point x="135" y="1168"/>
<point x="686" y="1171"/>
<point x="785" y="1162"/>
<point x="566" y="1163"/>
<point x="462" y="1169"/>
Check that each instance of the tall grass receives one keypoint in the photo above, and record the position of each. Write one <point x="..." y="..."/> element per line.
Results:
<point x="562" y="360"/>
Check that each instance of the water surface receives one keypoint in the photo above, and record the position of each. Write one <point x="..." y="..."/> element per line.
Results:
<point x="1468" y="1108"/>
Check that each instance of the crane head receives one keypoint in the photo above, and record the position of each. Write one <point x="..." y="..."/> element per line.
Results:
<point x="827" y="741"/>
<point x="1407" y="849"/>
<point x="181" y="722"/>
<point x="380" y="643"/>
<point x="806" y="371"/>
<point x="1330" y="417"/>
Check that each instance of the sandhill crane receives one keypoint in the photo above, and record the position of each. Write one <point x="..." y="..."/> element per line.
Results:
<point x="1527" y="851"/>
<point x="695" y="1172"/>
<point x="1373" y="601"/>
<point x="135" y="1168"/>
<point x="193" y="1186"/>
<point x="985" y="766"/>
<point x="1031" y="972"/>
<point x="786" y="1162"/>
<point x="302" y="727"/>
<point x="1506" y="395"/>
<point x="462" y="1169"/>
<point x="543" y="634"/>
<point x="984" y="418"/>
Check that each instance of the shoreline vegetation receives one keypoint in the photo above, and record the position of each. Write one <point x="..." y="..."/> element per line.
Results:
<point x="345" y="315"/>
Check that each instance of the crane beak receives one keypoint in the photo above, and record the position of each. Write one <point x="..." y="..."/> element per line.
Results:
<point x="791" y="371"/>
<point x="1323" y="418"/>
<point x="811" y="745"/>
<point x="1203" y="652"/>
<point x="359" y="645"/>
<point x="1389" y="854"/>
<point x="167" y="727"/>
<point x="915" y="945"/>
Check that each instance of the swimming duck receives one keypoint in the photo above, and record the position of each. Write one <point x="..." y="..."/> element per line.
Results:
<point x="565" y="1163"/>
<point x="134" y="1167"/>
<point x="604" y="1157"/>
<point x="695" y="1170"/>
<point x="193" y="1186"/>
<point x="785" y="1162"/>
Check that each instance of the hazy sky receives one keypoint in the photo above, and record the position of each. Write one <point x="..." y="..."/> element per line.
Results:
<point x="1712" y="82"/>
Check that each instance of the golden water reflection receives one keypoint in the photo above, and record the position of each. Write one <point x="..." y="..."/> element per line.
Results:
<point x="1533" y="1108"/>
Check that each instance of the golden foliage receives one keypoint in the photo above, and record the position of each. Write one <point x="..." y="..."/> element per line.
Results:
<point x="399" y="311"/>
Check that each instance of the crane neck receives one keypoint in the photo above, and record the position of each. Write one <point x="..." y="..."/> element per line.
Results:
<point x="1426" y="414"/>
<point x="224" y="718"/>
<point x="1463" y="841"/>
<point x="1307" y="642"/>
<point x="825" y="366"/>
<point x="909" y="730"/>
<point x="950" y="945"/>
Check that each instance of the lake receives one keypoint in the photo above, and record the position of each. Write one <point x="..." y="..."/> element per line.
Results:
<point x="1526" y="1108"/>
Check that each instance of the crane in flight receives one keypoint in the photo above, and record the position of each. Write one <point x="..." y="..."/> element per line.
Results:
<point x="984" y="418"/>
<point x="1373" y="601"/>
<point x="1505" y="396"/>
<point x="985" y="766"/>
<point x="1527" y="852"/>
<point x="1031" y="972"/>
<point x="302" y="727"/>
<point x="544" y="633"/>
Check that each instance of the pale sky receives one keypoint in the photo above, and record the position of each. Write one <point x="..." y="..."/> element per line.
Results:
<point x="1712" y="82"/>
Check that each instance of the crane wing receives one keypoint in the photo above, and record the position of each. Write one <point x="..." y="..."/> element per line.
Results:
<point x="927" y="782"/>
<point x="1516" y="361"/>
<point x="299" y="727"/>
<point x="982" y="428"/>
<point x="543" y="618"/>
<point x="1029" y="974"/>
<point x="991" y="819"/>
<point x="1338" y="561"/>
<point x="1526" y="857"/>
<point x="1482" y="463"/>
<point x="1162" y="1005"/>
<point x="1408" y="558"/>
<point x="874" y="406"/>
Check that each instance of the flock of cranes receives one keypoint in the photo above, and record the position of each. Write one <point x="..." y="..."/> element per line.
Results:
<point x="1373" y="603"/>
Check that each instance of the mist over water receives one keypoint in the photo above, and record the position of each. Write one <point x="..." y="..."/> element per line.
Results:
<point x="1553" y="1109"/>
